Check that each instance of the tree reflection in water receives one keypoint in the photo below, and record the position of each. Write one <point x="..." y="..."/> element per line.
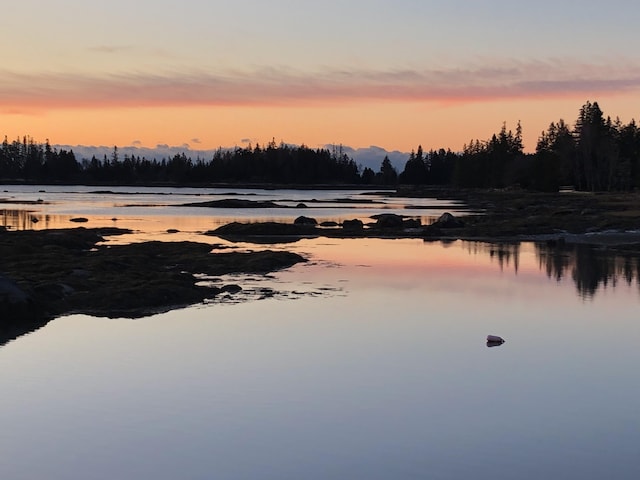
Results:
<point x="24" y="220"/>
<point x="590" y="266"/>
<point x="504" y="253"/>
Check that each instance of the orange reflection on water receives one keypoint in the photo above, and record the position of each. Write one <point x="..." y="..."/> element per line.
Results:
<point x="417" y="254"/>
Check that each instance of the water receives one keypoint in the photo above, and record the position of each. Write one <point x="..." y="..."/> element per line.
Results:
<point x="154" y="210"/>
<point x="370" y="364"/>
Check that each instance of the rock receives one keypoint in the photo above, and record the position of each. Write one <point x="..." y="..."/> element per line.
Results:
<point x="447" y="220"/>
<point x="11" y="293"/>
<point x="411" y="223"/>
<point x="302" y="220"/>
<point x="52" y="273"/>
<point x="494" y="341"/>
<point x="79" y="220"/>
<point x="329" y="224"/>
<point x="388" y="220"/>
<point x="353" y="225"/>
<point x="232" y="288"/>
<point x="20" y="312"/>
<point x="172" y="230"/>
<point x="262" y="229"/>
<point x="234" y="203"/>
<point x="301" y="205"/>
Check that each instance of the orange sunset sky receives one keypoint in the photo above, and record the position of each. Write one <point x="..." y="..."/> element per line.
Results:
<point x="391" y="74"/>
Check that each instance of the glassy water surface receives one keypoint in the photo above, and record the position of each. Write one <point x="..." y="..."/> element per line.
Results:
<point x="370" y="363"/>
<point x="154" y="210"/>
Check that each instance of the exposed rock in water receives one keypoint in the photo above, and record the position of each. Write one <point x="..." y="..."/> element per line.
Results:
<point x="262" y="229"/>
<point x="494" y="341"/>
<point x="388" y="221"/>
<point x="232" y="288"/>
<point x="353" y="225"/>
<point x="55" y="272"/>
<point x="447" y="220"/>
<point x="302" y="220"/>
<point x="411" y="223"/>
<point x="15" y="303"/>
<point x="234" y="203"/>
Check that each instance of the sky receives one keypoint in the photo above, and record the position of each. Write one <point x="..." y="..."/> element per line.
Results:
<point x="396" y="74"/>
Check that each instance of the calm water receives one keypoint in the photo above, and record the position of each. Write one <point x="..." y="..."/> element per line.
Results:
<point x="370" y="363"/>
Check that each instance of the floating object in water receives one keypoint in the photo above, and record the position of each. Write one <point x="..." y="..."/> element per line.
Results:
<point x="494" y="341"/>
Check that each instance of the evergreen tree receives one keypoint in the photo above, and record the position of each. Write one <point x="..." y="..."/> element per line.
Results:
<point x="415" y="170"/>
<point x="388" y="174"/>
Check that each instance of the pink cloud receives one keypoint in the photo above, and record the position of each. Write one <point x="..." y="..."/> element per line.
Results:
<point x="510" y="80"/>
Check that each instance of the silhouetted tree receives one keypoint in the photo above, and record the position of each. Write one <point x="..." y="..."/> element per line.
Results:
<point x="415" y="170"/>
<point x="388" y="174"/>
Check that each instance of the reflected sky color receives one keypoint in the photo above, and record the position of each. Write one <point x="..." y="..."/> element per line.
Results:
<point x="151" y="212"/>
<point x="369" y="363"/>
<point x="388" y="377"/>
<point x="439" y="73"/>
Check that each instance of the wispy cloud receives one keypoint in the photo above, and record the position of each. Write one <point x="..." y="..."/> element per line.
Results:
<point x="506" y="80"/>
<point x="109" y="49"/>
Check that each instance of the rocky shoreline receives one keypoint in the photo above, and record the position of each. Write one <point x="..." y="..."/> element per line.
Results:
<point x="512" y="212"/>
<point x="45" y="274"/>
<point x="606" y="219"/>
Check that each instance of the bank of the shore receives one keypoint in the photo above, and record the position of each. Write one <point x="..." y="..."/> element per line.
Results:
<point x="513" y="212"/>
<point x="49" y="273"/>
<point x="45" y="274"/>
<point x="494" y="215"/>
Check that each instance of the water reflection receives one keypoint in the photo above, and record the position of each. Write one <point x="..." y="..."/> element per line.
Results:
<point x="591" y="267"/>
<point x="504" y="254"/>
<point x="25" y="220"/>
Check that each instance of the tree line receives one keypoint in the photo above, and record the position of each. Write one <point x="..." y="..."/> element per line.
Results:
<point x="596" y="154"/>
